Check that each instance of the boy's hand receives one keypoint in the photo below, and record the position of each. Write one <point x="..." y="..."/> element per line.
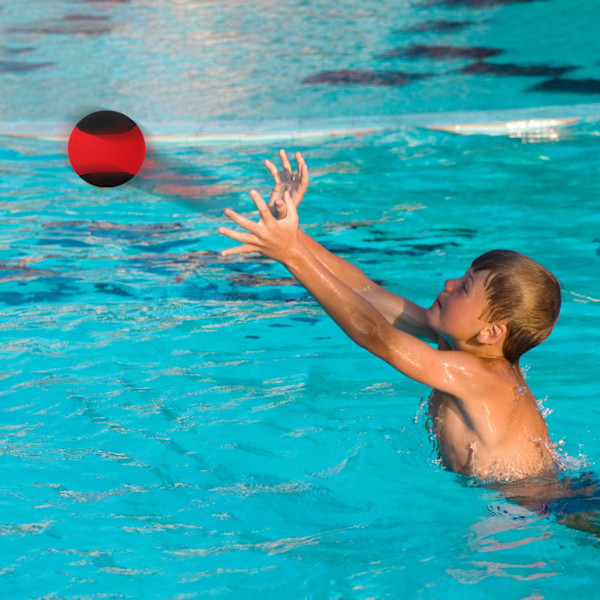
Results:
<point x="296" y="186"/>
<point x="272" y="237"/>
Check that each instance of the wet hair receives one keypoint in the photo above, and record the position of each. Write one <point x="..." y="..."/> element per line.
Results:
<point x="522" y="294"/>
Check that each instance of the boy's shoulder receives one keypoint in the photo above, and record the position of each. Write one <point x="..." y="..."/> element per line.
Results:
<point x="490" y="403"/>
<point x="455" y="372"/>
<point x="499" y="371"/>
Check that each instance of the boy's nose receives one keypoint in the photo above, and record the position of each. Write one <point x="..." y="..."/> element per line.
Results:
<point x="449" y="285"/>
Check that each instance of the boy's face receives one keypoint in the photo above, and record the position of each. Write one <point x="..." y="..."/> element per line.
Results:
<point x="455" y="312"/>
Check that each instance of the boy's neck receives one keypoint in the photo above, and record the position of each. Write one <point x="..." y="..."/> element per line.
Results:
<point x="480" y="351"/>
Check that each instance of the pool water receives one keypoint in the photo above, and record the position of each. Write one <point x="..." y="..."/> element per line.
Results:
<point x="175" y="424"/>
<point x="162" y="62"/>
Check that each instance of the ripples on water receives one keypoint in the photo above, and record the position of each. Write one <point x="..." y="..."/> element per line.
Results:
<point x="171" y="418"/>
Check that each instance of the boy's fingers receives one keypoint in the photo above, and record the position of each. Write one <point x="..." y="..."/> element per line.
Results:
<point x="302" y="171"/>
<point x="239" y="236"/>
<point x="281" y="207"/>
<point x="287" y="167"/>
<point x="239" y="219"/>
<point x="299" y="163"/>
<point x="238" y="250"/>
<point x="288" y="200"/>
<point x="263" y="209"/>
<point x="273" y="170"/>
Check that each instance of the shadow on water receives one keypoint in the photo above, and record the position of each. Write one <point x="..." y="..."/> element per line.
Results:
<point x="514" y="70"/>
<point x="366" y="77"/>
<point x="437" y="26"/>
<point x="440" y="52"/>
<point x="572" y="86"/>
<point x="573" y="501"/>
<point x="178" y="180"/>
<point x="78" y="24"/>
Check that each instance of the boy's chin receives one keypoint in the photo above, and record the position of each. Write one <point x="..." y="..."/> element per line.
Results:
<point x="432" y="309"/>
<point x="431" y="318"/>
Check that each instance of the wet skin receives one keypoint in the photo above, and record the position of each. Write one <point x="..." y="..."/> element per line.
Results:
<point x="500" y="434"/>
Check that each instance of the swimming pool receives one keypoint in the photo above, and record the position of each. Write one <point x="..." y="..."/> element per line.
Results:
<point x="179" y="425"/>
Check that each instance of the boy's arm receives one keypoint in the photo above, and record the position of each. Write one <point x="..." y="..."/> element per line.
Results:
<point x="397" y="311"/>
<point x="448" y="371"/>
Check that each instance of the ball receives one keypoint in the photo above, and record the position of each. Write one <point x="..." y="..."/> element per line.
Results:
<point x="106" y="148"/>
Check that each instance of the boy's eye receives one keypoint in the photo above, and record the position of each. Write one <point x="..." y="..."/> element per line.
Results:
<point x="465" y="286"/>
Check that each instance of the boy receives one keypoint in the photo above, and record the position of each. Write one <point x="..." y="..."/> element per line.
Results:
<point x="485" y="418"/>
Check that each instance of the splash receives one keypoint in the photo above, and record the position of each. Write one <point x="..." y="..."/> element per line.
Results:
<point x="545" y="411"/>
<point x="421" y="413"/>
<point x="525" y="370"/>
<point x="566" y="462"/>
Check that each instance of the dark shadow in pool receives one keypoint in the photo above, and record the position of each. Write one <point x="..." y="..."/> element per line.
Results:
<point x="180" y="181"/>
<point x="440" y="52"/>
<point x="364" y="77"/>
<point x="22" y="67"/>
<point x="575" y="86"/>
<point x="59" y="28"/>
<point x="147" y="238"/>
<point x="511" y="69"/>
<point x="74" y="24"/>
<point x="440" y="25"/>
<point x="572" y="501"/>
<point x="57" y="286"/>
<point x="86" y="18"/>
<point x="9" y="50"/>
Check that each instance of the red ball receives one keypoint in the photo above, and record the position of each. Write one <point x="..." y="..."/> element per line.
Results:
<point x="106" y="148"/>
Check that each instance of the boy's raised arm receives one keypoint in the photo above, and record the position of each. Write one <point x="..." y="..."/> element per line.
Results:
<point x="448" y="371"/>
<point x="344" y="270"/>
<point x="397" y="311"/>
<point x="360" y="320"/>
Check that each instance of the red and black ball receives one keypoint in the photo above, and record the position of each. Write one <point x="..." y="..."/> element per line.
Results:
<point x="106" y="148"/>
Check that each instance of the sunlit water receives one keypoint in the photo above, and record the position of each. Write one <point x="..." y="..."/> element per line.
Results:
<point x="175" y="424"/>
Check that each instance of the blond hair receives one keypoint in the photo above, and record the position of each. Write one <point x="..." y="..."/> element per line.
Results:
<point x="523" y="295"/>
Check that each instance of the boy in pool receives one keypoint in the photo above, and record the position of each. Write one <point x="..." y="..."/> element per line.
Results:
<point x="486" y="420"/>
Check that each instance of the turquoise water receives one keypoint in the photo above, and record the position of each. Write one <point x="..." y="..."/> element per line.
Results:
<point x="197" y="61"/>
<point x="175" y="424"/>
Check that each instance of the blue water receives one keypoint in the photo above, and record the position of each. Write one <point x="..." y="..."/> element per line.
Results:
<point x="160" y="61"/>
<point x="175" y="424"/>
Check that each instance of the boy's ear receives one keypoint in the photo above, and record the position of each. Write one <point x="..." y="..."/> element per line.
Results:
<point x="492" y="333"/>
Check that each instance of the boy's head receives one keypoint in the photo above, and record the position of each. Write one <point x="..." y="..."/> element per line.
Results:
<point x="521" y="294"/>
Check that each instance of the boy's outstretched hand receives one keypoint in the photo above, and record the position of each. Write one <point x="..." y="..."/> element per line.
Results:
<point x="296" y="186"/>
<point x="272" y="237"/>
